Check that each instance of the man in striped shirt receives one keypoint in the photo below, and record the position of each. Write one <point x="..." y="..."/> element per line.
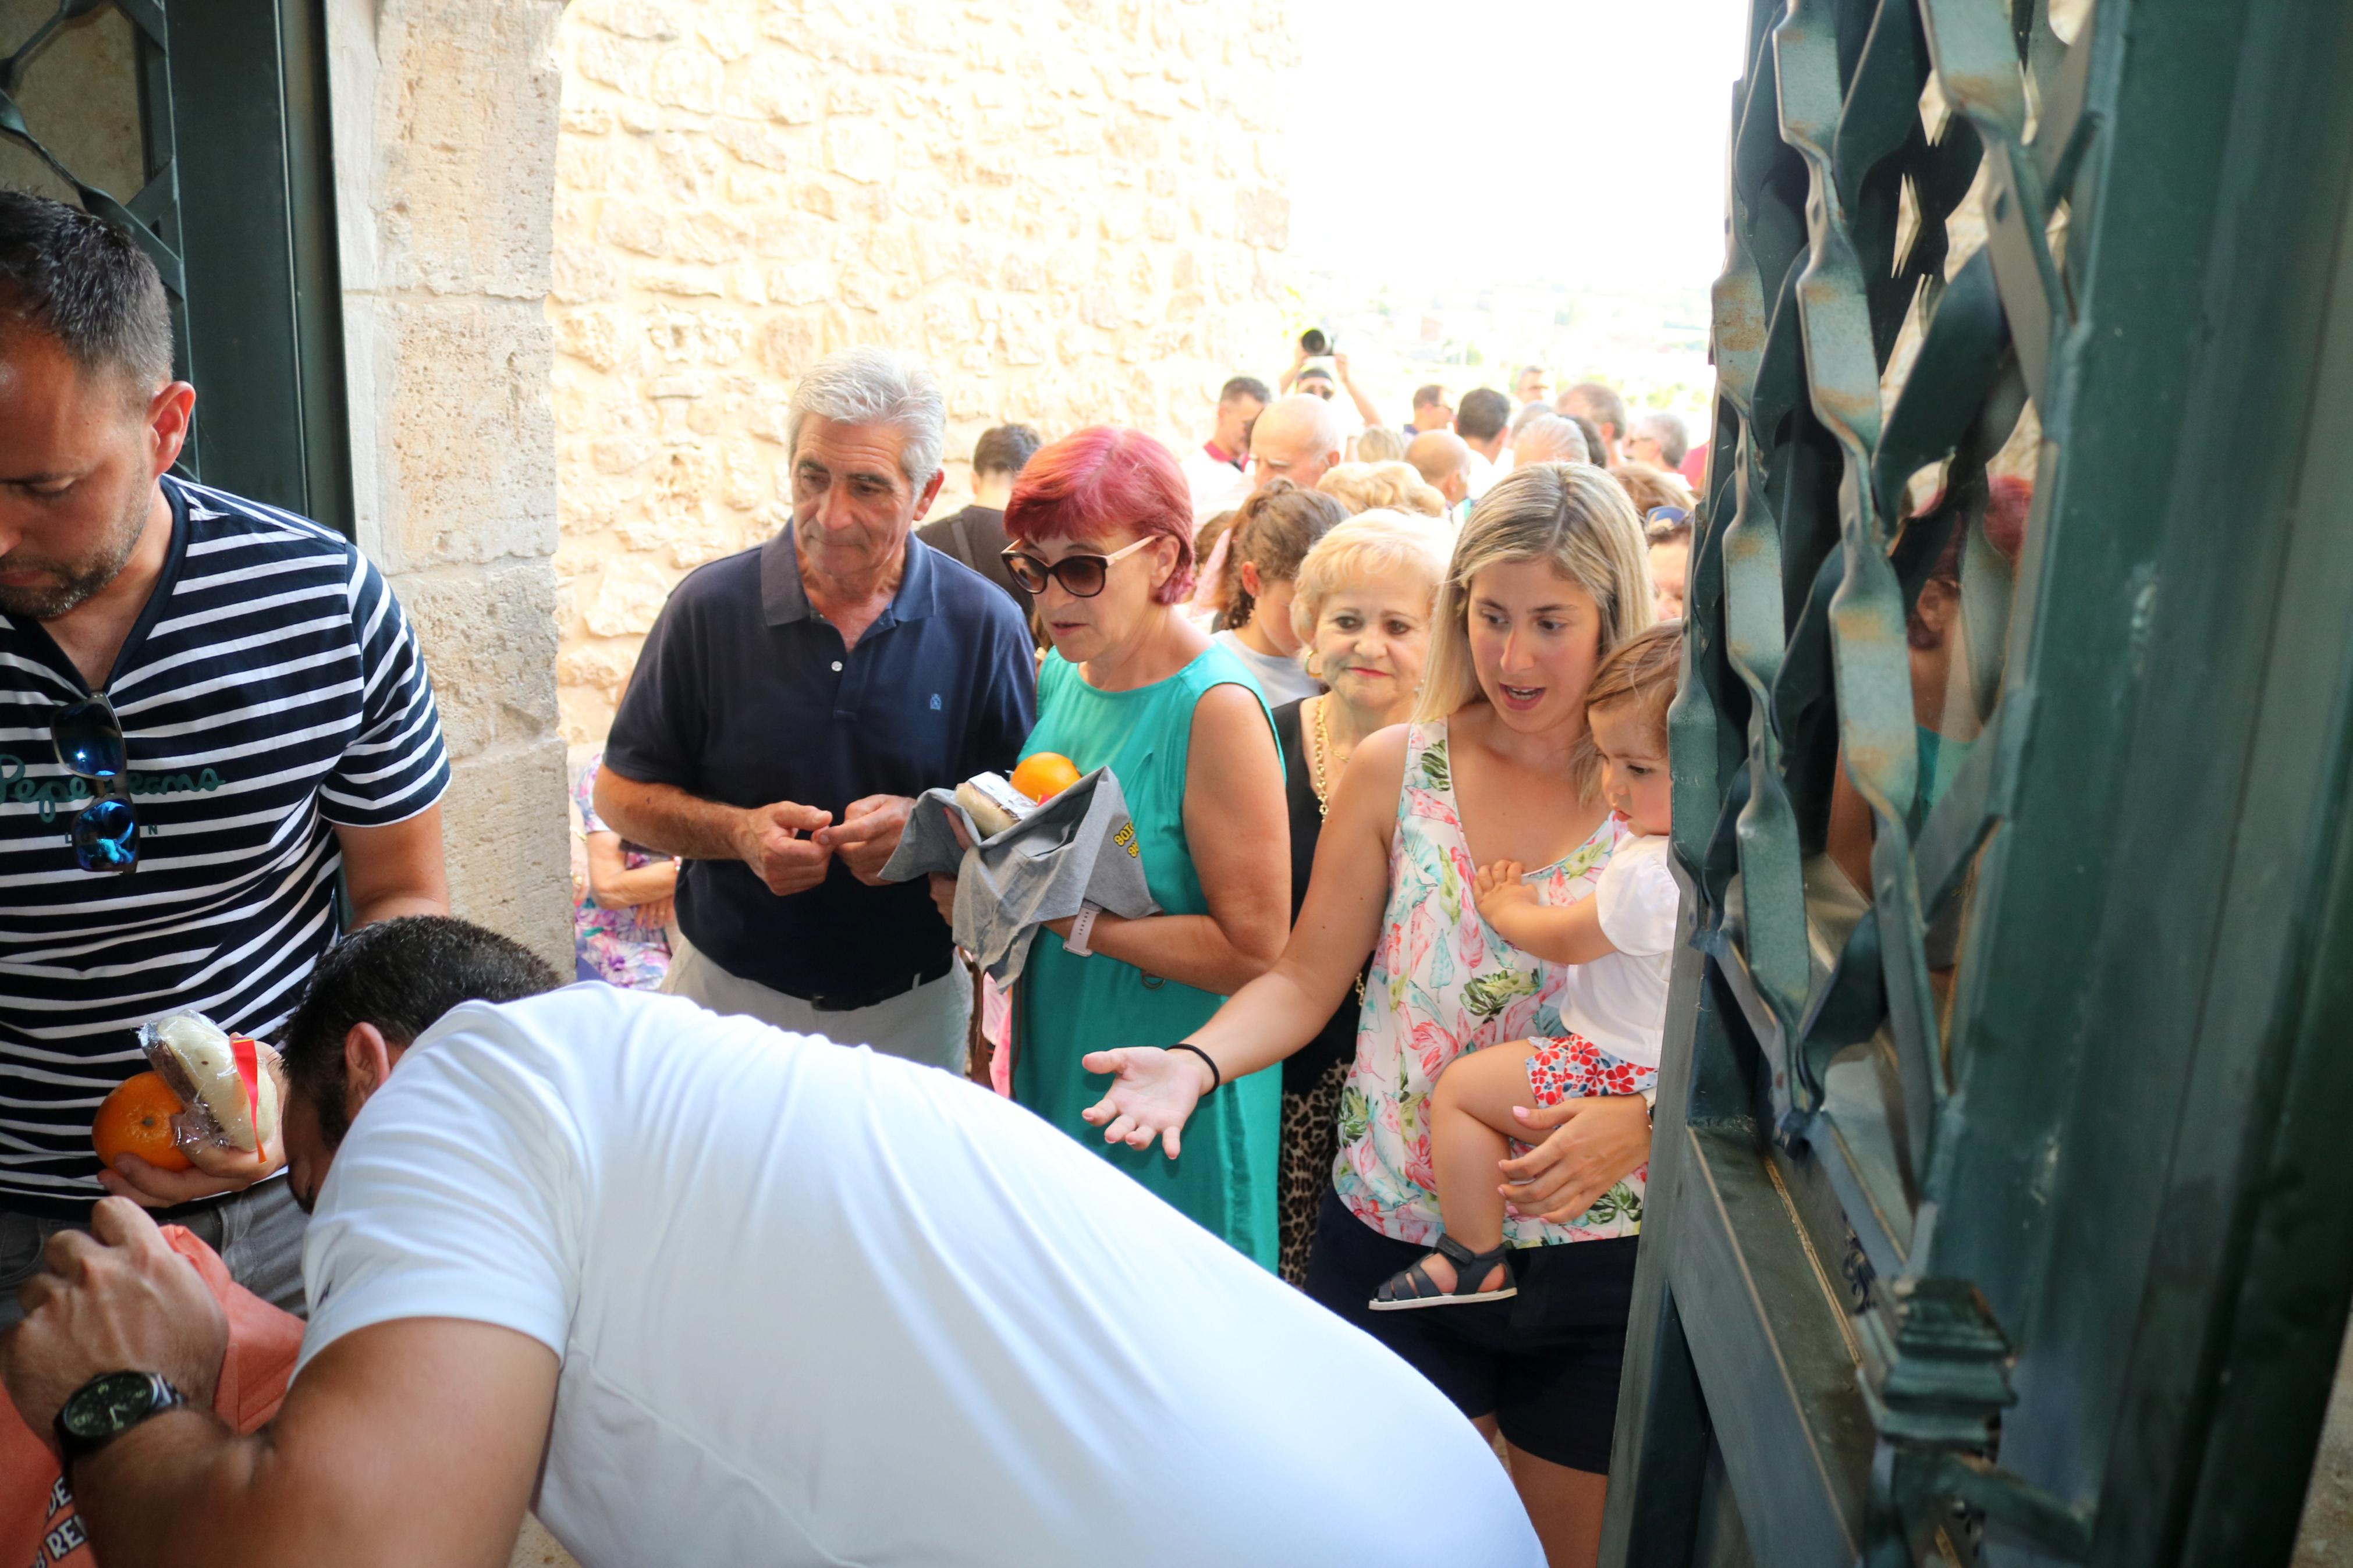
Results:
<point x="276" y="728"/>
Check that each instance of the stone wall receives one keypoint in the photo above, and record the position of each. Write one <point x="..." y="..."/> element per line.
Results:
<point x="1074" y="210"/>
<point x="445" y="139"/>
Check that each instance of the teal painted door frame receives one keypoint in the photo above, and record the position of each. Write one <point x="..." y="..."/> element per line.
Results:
<point x="237" y="210"/>
<point x="1998" y="1204"/>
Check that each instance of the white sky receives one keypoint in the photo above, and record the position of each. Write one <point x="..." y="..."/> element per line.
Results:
<point x="1579" y="142"/>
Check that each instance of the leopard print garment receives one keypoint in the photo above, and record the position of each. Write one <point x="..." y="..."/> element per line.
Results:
<point x="1311" y="1142"/>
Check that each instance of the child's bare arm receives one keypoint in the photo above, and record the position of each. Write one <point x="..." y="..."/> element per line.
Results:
<point x="1556" y="933"/>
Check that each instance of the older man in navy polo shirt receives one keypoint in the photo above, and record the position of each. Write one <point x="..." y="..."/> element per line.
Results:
<point x="791" y="702"/>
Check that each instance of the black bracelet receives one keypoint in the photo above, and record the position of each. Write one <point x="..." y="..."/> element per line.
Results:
<point x="1216" y="1077"/>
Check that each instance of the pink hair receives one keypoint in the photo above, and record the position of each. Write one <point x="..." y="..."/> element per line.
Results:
<point x="1085" y="485"/>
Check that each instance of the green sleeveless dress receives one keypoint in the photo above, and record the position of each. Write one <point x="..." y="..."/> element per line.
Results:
<point x="1226" y="1177"/>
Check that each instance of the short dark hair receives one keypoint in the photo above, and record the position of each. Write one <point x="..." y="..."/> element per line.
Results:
<point x="1428" y="396"/>
<point x="1482" y="415"/>
<point x="1244" y="386"/>
<point x="1608" y="408"/>
<point x="1005" y="449"/>
<point x="84" y="282"/>
<point x="401" y="975"/>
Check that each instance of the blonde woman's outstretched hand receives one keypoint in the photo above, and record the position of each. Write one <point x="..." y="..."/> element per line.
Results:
<point x="1152" y="1092"/>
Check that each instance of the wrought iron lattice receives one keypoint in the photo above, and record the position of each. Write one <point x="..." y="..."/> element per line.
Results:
<point x="1851" y="495"/>
<point x="152" y="215"/>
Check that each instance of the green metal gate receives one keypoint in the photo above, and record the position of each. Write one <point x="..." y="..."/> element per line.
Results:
<point x="200" y="126"/>
<point x="2000" y="1205"/>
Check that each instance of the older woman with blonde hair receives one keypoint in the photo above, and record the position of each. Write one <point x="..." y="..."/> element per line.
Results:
<point x="1382" y="487"/>
<point x="1546" y="579"/>
<point x="1361" y="609"/>
<point x="1378" y="443"/>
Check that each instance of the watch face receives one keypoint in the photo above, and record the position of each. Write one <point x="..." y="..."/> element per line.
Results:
<point x="109" y="1405"/>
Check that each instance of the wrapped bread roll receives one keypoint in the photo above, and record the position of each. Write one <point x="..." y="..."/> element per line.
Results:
<point x="226" y="1080"/>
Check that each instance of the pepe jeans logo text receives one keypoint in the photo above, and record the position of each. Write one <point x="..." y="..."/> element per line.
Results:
<point x="54" y="792"/>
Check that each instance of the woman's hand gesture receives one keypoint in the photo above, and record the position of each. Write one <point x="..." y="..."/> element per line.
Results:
<point x="1152" y="1092"/>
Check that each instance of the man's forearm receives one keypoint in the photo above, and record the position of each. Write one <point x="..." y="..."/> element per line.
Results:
<point x="668" y="820"/>
<point x="176" y="1491"/>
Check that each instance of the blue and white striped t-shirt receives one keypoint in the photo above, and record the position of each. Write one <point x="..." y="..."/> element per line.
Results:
<point x="270" y="692"/>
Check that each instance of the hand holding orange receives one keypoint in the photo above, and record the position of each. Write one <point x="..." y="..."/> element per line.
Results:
<point x="1045" y="774"/>
<point x="136" y="1118"/>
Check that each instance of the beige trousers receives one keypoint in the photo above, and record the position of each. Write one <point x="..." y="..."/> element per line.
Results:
<point x="926" y="1024"/>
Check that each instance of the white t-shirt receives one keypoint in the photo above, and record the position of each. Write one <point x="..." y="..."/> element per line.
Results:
<point x="1619" y="1002"/>
<point x="821" y="1306"/>
<point x="1279" y="679"/>
<point x="1485" y="472"/>
<point x="1217" y="485"/>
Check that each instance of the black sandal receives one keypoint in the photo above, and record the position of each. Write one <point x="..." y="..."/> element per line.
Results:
<point x="1414" y="1287"/>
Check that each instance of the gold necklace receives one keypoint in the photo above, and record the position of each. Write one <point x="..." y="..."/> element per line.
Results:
<point x="1323" y="747"/>
<point x="1323" y="791"/>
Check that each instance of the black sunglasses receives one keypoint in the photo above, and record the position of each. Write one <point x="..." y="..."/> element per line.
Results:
<point x="88" y="741"/>
<point x="1082" y="576"/>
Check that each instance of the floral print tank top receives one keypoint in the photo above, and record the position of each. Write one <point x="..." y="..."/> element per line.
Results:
<point x="1442" y="983"/>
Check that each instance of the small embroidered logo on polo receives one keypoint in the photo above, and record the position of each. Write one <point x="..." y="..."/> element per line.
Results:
<point x="935" y="701"/>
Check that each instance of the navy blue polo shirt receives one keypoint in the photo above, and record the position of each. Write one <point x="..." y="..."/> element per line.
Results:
<point x="744" y="695"/>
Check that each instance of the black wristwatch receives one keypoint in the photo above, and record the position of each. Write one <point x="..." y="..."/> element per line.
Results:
<point x="109" y="1404"/>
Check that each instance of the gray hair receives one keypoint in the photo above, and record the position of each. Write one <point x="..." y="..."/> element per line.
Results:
<point x="1667" y="429"/>
<point x="867" y="386"/>
<point x="1549" y="438"/>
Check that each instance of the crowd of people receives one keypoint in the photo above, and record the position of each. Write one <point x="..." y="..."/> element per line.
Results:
<point x="1386" y="708"/>
<point x="1299" y="648"/>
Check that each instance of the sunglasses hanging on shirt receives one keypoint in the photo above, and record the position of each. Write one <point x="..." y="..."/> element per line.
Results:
<point x="89" y="745"/>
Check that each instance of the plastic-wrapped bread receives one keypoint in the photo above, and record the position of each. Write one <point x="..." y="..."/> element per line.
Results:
<point x="226" y="1080"/>
<point x="993" y="804"/>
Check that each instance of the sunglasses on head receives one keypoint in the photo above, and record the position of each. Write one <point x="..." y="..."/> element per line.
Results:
<point x="1663" y="519"/>
<point x="88" y="741"/>
<point x="1082" y="576"/>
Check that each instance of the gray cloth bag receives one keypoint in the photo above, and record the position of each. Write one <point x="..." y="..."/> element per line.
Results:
<point x="1078" y="847"/>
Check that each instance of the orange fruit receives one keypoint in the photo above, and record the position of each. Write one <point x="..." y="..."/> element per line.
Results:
<point x="137" y="1120"/>
<point x="1044" y="775"/>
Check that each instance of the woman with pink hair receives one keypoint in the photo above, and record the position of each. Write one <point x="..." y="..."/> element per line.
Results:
<point x="1101" y="526"/>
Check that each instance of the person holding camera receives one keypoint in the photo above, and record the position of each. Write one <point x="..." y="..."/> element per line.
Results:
<point x="1311" y="374"/>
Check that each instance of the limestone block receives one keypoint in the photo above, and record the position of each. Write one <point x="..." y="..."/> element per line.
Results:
<point x="487" y="637"/>
<point x="463" y="380"/>
<point x="1062" y="205"/>
<point x="616" y="62"/>
<point x="687" y="77"/>
<point x="631" y="18"/>
<point x="507" y="840"/>
<point x="778" y="86"/>
<point x="690" y="166"/>
<point x="638" y="226"/>
<point x="628" y="595"/>
<point x="466" y="149"/>
<point x="710" y="236"/>
<point x="860" y="150"/>
<point x="696" y="337"/>
<point x="788" y="346"/>
<point x="727" y="34"/>
<point x="592" y="334"/>
<point x="587" y="118"/>
<point x="755" y="141"/>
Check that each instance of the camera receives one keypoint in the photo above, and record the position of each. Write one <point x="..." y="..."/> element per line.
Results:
<point x="1313" y="341"/>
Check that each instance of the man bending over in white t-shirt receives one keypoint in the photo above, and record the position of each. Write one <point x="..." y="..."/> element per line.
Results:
<point x="711" y="1293"/>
